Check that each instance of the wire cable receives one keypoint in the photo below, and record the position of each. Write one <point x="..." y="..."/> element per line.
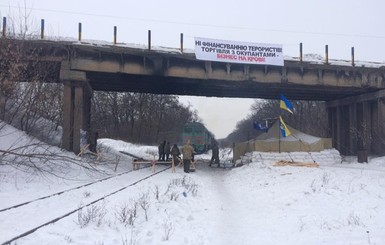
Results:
<point x="197" y="24"/>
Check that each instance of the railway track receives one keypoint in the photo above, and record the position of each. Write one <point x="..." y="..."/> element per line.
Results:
<point x="64" y="191"/>
<point x="47" y="210"/>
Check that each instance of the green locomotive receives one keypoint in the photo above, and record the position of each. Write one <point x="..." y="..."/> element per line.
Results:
<point x="199" y="136"/>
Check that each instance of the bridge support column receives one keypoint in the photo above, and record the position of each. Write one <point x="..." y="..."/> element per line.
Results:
<point x="77" y="108"/>
<point x="331" y="111"/>
<point x="339" y="121"/>
<point x="363" y="130"/>
<point x="364" y="125"/>
<point x="68" y="123"/>
<point x="344" y="130"/>
<point x="338" y="133"/>
<point x="357" y="123"/>
<point x="378" y="122"/>
<point x="352" y="124"/>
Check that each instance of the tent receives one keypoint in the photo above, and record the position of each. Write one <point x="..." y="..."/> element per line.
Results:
<point x="297" y="141"/>
<point x="272" y="141"/>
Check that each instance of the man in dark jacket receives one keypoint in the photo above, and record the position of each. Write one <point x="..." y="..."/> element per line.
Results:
<point x="175" y="156"/>
<point x="215" y="153"/>
<point x="167" y="151"/>
<point x="160" y="151"/>
<point x="163" y="158"/>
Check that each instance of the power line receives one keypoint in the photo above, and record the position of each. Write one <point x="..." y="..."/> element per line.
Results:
<point x="196" y="24"/>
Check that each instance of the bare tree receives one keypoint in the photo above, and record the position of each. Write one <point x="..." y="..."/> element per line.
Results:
<point x="30" y="99"/>
<point x="141" y="118"/>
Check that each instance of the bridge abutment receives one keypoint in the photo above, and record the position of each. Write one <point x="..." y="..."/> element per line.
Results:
<point x="76" y="108"/>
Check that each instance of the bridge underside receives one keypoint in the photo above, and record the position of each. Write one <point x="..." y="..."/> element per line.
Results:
<point x="216" y="88"/>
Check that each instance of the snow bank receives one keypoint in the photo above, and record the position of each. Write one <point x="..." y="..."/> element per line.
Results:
<point x="326" y="157"/>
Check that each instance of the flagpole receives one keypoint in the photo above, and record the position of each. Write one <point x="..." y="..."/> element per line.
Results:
<point x="279" y="128"/>
<point x="279" y="135"/>
<point x="286" y="105"/>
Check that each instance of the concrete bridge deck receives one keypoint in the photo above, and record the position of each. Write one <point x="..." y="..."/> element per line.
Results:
<point x="121" y="68"/>
<point x="135" y="68"/>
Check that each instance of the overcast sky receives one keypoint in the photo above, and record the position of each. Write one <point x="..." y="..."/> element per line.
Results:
<point x="341" y="24"/>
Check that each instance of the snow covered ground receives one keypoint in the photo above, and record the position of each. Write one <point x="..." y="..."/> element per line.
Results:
<point x="340" y="202"/>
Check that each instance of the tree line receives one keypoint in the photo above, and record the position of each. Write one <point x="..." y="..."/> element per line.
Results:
<point x="139" y="117"/>
<point x="309" y="117"/>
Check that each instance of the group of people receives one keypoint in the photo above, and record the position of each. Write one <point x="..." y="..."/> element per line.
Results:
<point x="187" y="151"/>
<point x="164" y="151"/>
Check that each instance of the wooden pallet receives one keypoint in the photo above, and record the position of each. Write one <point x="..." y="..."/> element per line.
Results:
<point x="137" y="162"/>
<point x="296" y="164"/>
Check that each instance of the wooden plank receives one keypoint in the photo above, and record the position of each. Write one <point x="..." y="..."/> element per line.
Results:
<point x="117" y="159"/>
<point x="131" y="155"/>
<point x="149" y="162"/>
<point x="296" y="164"/>
<point x="136" y="163"/>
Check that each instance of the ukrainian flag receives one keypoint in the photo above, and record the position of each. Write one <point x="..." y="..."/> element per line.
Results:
<point x="285" y="104"/>
<point x="282" y="126"/>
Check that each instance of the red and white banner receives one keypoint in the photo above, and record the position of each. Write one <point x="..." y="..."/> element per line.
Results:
<point x="238" y="52"/>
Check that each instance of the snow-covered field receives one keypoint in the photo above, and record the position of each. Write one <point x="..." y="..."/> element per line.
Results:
<point x="340" y="202"/>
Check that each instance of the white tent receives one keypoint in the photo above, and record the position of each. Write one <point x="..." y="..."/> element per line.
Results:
<point x="297" y="141"/>
<point x="273" y="141"/>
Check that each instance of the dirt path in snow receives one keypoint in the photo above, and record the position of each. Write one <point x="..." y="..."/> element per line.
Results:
<point x="230" y="214"/>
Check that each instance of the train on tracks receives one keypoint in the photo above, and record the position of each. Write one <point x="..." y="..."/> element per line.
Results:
<point x="199" y="136"/>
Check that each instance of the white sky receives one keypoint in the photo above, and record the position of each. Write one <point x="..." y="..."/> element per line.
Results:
<point x="341" y="24"/>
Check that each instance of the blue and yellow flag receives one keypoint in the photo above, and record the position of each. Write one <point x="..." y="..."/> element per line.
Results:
<point x="282" y="126"/>
<point x="285" y="104"/>
<point x="260" y="126"/>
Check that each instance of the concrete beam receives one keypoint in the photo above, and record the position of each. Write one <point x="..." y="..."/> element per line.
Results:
<point x="357" y="99"/>
<point x="66" y="74"/>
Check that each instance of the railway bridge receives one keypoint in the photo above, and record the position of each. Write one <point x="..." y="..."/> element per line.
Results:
<point x="354" y="93"/>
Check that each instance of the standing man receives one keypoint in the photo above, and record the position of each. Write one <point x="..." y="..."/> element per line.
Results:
<point x="164" y="153"/>
<point x="160" y="151"/>
<point x="175" y="153"/>
<point x="167" y="150"/>
<point x="215" y="153"/>
<point x="175" y="156"/>
<point x="187" y="151"/>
